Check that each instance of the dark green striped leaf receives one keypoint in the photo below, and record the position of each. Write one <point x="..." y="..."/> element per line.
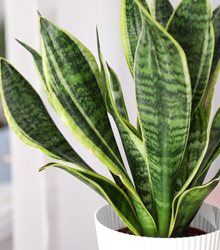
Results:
<point x="207" y="100"/>
<point x="134" y="149"/>
<point x="194" y="154"/>
<point x="212" y="152"/>
<point x="130" y="29"/>
<point x="117" y="94"/>
<point x="135" y="153"/>
<point x="188" y="205"/>
<point x="109" y="191"/>
<point x="195" y="150"/>
<point x="163" y="93"/>
<point x="29" y="119"/>
<point x="103" y="88"/>
<point x="163" y="11"/>
<point x="192" y="28"/>
<point x="72" y="78"/>
<point x="38" y="62"/>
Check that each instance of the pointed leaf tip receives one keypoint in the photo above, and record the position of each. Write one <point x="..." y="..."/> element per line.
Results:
<point x="41" y="169"/>
<point x="98" y="40"/>
<point x="44" y="23"/>
<point x="39" y="14"/>
<point x="46" y="166"/>
<point x="20" y="42"/>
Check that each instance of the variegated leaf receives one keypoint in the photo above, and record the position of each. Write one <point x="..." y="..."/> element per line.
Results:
<point x="194" y="154"/>
<point x="207" y="99"/>
<point x="29" y="119"/>
<point x="188" y="205"/>
<point x="38" y="62"/>
<point x="195" y="150"/>
<point x="212" y="152"/>
<point x="117" y="94"/>
<point x="163" y="93"/>
<point x="192" y="28"/>
<point x="163" y="11"/>
<point x="72" y="78"/>
<point x="109" y="191"/>
<point x="134" y="150"/>
<point x="130" y="29"/>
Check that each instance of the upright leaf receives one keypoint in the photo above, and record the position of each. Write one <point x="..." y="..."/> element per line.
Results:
<point x="192" y="28"/>
<point x="212" y="152"/>
<point x="135" y="153"/>
<point x="207" y="99"/>
<point x="134" y="150"/>
<point x="193" y="156"/>
<point x="163" y="11"/>
<point x="38" y="63"/>
<point x="188" y="205"/>
<point x="72" y="78"/>
<point x="29" y="119"/>
<point x="195" y="149"/>
<point x="117" y="94"/>
<point x="130" y="29"/>
<point x="164" y="103"/>
<point x="109" y="191"/>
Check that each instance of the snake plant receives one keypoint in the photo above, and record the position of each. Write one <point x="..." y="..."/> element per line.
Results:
<point x="173" y="57"/>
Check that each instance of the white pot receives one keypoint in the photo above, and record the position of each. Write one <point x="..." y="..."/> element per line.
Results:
<point x="107" y="222"/>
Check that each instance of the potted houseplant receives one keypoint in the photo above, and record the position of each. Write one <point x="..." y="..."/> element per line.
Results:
<point x="173" y="56"/>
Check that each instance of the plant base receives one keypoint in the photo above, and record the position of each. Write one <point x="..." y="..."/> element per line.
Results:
<point x="192" y="231"/>
<point x="207" y="220"/>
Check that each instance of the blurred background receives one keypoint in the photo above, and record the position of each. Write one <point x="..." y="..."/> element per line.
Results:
<point x="51" y="210"/>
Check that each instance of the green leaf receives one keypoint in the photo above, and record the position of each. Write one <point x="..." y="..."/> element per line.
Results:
<point x="134" y="150"/>
<point x="131" y="25"/>
<point x="194" y="154"/>
<point x="163" y="11"/>
<point x="29" y="119"/>
<point x="212" y="152"/>
<point x="37" y="59"/>
<point x="207" y="99"/>
<point x="192" y="28"/>
<point x="72" y="78"/>
<point x="109" y="191"/>
<point x="163" y="93"/>
<point x="38" y="63"/>
<point x="188" y="205"/>
<point x="195" y="149"/>
<point x="117" y="94"/>
<point x="72" y="87"/>
<point x="135" y="153"/>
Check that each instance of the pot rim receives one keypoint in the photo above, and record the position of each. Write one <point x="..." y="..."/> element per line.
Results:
<point x="149" y="237"/>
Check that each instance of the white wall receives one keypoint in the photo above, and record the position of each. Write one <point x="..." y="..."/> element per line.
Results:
<point x="30" y="224"/>
<point x="53" y="211"/>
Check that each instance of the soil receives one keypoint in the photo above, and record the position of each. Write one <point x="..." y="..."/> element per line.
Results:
<point x="190" y="232"/>
<point x="194" y="232"/>
<point x="125" y="230"/>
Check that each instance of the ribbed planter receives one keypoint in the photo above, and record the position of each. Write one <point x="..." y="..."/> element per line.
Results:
<point x="107" y="222"/>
